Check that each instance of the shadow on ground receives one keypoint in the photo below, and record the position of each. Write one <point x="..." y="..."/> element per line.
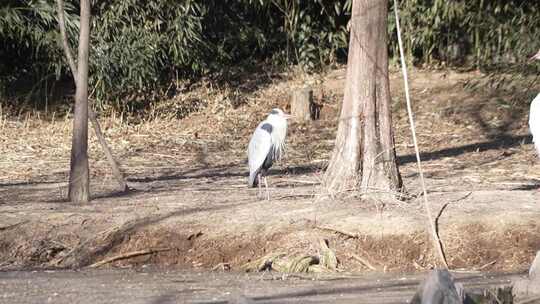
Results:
<point x="501" y="142"/>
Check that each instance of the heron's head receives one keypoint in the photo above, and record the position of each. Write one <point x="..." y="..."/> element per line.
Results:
<point x="536" y="56"/>
<point x="279" y="113"/>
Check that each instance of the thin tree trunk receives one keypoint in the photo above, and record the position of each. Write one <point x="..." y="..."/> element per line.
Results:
<point x="364" y="156"/>
<point x="92" y="115"/>
<point x="79" y="179"/>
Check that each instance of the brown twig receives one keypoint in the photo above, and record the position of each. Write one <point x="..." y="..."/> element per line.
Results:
<point x="297" y="181"/>
<point x="12" y="226"/>
<point x="345" y="233"/>
<point x="363" y="261"/>
<point x="462" y="198"/>
<point x="439" y="214"/>
<point x="486" y="265"/>
<point x="444" y="207"/>
<point x="222" y="266"/>
<point x="446" y="204"/>
<point x="127" y="256"/>
<point x="295" y="196"/>
<point x="529" y="300"/>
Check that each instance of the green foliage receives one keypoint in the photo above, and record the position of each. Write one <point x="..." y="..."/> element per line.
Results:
<point x="170" y="39"/>
<point x="29" y="49"/>
<point x="140" y="47"/>
<point x="314" y="31"/>
<point x="477" y="32"/>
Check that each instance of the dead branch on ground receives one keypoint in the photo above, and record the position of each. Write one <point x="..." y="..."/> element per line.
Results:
<point x="345" y="233"/>
<point x="363" y="261"/>
<point x="448" y="203"/>
<point x="127" y="256"/>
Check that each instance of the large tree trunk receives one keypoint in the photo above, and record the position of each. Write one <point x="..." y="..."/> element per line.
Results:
<point x="364" y="156"/>
<point x="79" y="179"/>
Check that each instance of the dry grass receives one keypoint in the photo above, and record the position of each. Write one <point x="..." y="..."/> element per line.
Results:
<point x="35" y="147"/>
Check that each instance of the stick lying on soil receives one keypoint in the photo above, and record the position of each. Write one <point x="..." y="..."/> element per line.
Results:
<point x="127" y="256"/>
<point x="345" y="233"/>
<point x="12" y="226"/>
<point x="363" y="261"/>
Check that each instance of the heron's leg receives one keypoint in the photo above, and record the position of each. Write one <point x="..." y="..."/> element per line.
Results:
<point x="259" y="193"/>
<point x="266" y="186"/>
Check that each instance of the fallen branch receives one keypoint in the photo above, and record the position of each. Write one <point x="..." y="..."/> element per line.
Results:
<point x="462" y="198"/>
<point x="127" y="256"/>
<point x="297" y="181"/>
<point x="529" y="300"/>
<point x="2" y="228"/>
<point x="84" y="253"/>
<point x="486" y="265"/>
<point x="295" y="195"/>
<point x="444" y="207"/>
<point x="439" y="214"/>
<point x="363" y="261"/>
<point x="222" y="266"/>
<point x="345" y="233"/>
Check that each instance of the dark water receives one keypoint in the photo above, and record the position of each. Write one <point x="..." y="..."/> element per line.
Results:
<point x="162" y="286"/>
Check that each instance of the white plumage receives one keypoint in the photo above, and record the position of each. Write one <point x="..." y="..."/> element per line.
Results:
<point x="534" y="123"/>
<point x="266" y="145"/>
<point x="259" y="147"/>
<point x="534" y="116"/>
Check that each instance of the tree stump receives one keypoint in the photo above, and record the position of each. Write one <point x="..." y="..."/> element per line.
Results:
<point x="302" y="105"/>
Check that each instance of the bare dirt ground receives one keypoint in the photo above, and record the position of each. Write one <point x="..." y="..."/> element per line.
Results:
<point x="191" y="197"/>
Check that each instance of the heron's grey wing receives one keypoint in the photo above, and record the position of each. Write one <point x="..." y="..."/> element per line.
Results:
<point x="259" y="147"/>
<point x="534" y="122"/>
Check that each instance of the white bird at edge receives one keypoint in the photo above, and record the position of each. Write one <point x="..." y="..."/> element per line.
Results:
<point x="266" y="146"/>
<point x="534" y="116"/>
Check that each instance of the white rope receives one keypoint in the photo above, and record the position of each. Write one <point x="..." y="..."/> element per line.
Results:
<point x="436" y="238"/>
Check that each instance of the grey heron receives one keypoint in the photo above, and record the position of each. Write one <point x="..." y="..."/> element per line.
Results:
<point x="266" y="146"/>
<point x="534" y="116"/>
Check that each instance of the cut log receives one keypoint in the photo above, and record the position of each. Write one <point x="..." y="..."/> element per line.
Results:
<point x="302" y="105"/>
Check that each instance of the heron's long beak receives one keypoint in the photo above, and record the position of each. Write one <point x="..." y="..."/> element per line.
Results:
<point x="536" y="56"/>
<point x="287" y="116"/>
